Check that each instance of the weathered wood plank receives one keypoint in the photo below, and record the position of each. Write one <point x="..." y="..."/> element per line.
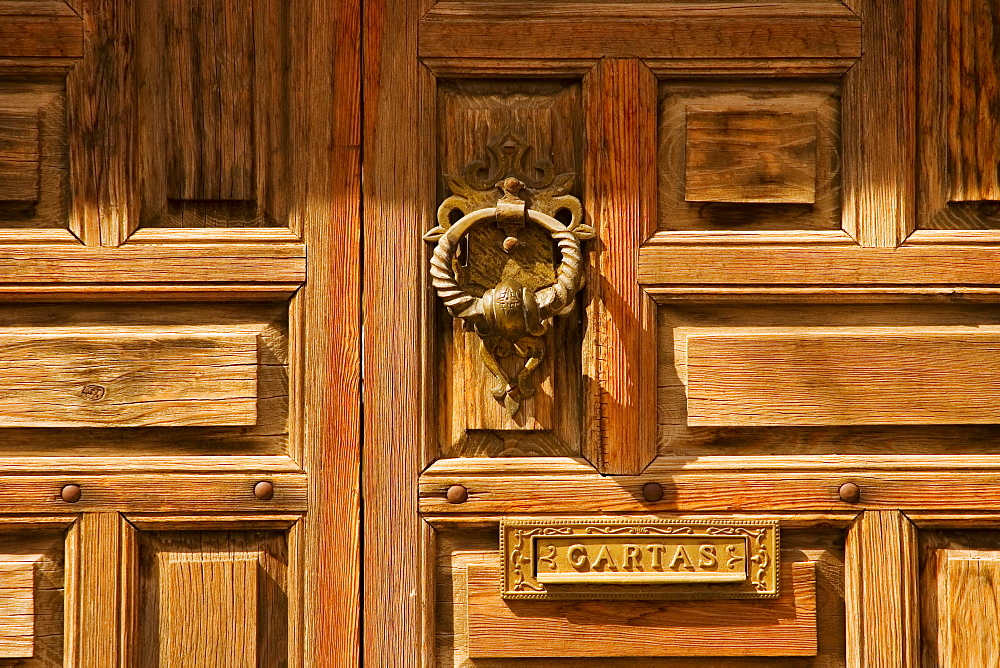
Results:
<point x="620" y="100"/>
<point x="17" y="610"/>
<point x="154" y="492"/>
<point x="140" y="377"/>
<point x="43" y="29"/>
<point x="524" y="629"/>
<point x="881" y="591"/>
<point x="646" y="30"/>
<point x="879" y="126"/>
<point x="665" y="263"/>
<point x="147" y="263"/>
<point x="840" y="375"/>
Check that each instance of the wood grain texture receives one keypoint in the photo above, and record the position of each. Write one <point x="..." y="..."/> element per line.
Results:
<point x="106" y="545"/>
<point x="20" y="157"/>
<point x="148" y="263"/>
<point x="726" y="485"/>
<point x="775" y="309"/>
<point x="398" y="208"/>
<point x="620" y="102"/>
<point x="733" y="161"/>
<point x="127" y="378"/>
<point x="213" y="135"/>
<point x="646" y="30"/>
<point x="17" y="610"/>
<point x="784" y="627"/>
<point x="33" y="590"/>
<point x="879" y="126"/>
<point x="957" y="94"/>
<point x="959" y="607"/>
<point x="750" y="156"/>
<point x="840" y="375"/>
<point x="154" y="493"/>
<point x="665" y="263"/>
<point x="883" y="623"/>
<point x="91" y="329"/>
<point x="43" y="29"/>
<point x="34" y="168"/>
<point x="326" y="90"/>
<point x="101" y="135"/>
<point x="973" y="43"/>
<point x="212" y="598"/>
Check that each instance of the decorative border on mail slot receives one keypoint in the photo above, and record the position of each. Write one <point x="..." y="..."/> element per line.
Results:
<point x="586" y="558"/>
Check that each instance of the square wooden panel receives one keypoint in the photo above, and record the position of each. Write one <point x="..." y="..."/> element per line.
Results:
<point x="34" y="168"/>
<point x="749" y="156"/>
<point x="763" y="156"/>
<point x="213" y="598"/>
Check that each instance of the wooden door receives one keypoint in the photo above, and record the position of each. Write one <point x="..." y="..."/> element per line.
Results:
<point x="179" y="406"/>
<point x="790" y="317"/>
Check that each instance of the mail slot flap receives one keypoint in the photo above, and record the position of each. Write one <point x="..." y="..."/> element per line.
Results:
<point x="128" y="376"/>
<point x="776" y="376"/>
<point x="526" y="628"/>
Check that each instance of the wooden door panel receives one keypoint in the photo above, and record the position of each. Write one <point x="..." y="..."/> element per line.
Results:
<point x="163" y="168"/>
<point x="788" y="313"/>
<point x="477" y="627"/>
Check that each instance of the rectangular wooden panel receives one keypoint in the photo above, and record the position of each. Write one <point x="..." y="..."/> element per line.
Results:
<point x="785" y="626"/>
<point x="208" y="614"/>
<point x="209" y="93"/>
<point x="17" y="609"/>
<point x="19" y="156"/>
<point x="750" y="156"/>
<point x="130" y="377"/>
<point x="973" y="607"/>
<point x="213" y="115"/>
<point x="758" y="376"/>
<point x="973" y="46"/>
<point x="213" y="598"/>
<point x="736" y="157"/>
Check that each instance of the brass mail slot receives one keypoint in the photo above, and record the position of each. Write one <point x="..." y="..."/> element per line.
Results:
<point x="639" y="558"/>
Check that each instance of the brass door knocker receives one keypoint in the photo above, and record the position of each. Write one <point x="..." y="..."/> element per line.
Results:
<point x="510" y="318"/>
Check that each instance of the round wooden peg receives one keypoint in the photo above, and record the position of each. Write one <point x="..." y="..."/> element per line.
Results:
<point x="457" y="494"/>
<point x="263" y="490"/>
<point x="850" y="492"/>
<point x="652" y="491"/>
<point x="70" y="493"/>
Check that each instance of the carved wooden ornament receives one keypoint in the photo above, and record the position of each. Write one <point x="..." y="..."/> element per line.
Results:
<point x="510" y="318"/>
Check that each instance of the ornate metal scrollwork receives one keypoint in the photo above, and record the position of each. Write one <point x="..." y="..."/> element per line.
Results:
<point x="510" y="318"/>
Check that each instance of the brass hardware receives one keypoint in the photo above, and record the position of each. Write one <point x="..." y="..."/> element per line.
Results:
<point x="606" y="557"/>
<point x="70" y="493"/>
<point x="263" y="490"/>
<point x="652" y="491"/>
<point x="457" y="494"/>
<point x="850" y="492"/>
<point x="510" y="318"/>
